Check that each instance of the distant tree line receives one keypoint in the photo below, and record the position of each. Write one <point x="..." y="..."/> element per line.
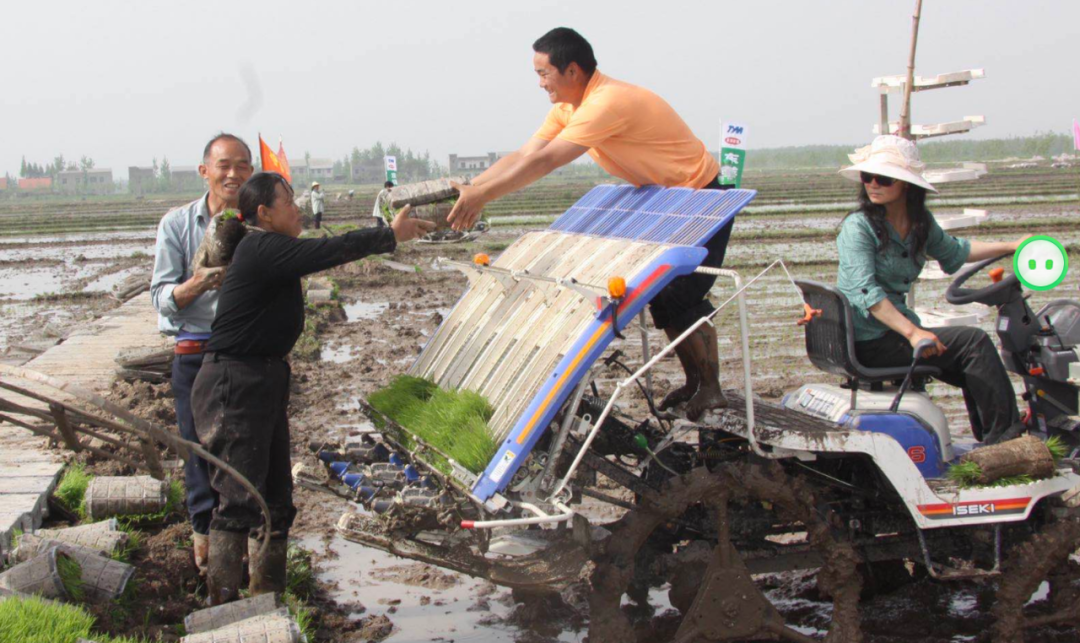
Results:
<point x="1045" y="144"/>
<point x="411" y="166"/>
<point x="37" y="171"/>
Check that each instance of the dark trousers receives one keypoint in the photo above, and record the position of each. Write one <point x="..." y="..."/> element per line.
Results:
<point x="686" y="299"/>
<point x="201" y="498"/>
<point x="241" y="414"/>
<point x="970" y="362"/>
<point x="318" y="220"/>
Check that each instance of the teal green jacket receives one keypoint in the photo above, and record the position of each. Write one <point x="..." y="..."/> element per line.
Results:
<point x="867" y="274"/>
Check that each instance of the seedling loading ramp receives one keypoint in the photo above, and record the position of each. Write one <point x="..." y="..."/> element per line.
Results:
<point x="530" y="325"/>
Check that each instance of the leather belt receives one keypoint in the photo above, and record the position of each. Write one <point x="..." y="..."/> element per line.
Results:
<point x="190" y="347"/>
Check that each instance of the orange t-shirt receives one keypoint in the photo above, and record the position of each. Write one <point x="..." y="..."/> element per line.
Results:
<point x="633" y="134"/>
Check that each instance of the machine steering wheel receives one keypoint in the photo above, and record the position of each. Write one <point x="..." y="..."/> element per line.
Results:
<point x="992" y="295"/>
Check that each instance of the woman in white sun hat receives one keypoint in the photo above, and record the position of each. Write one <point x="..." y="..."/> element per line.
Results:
<point x="883" y="246"/>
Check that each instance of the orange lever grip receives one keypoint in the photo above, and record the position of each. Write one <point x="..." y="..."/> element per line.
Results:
<point x="809" y="315"/>
<point x="997" y="274"/>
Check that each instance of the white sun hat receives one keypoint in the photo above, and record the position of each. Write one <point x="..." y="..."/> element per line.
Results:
<point x="890" y="156"/>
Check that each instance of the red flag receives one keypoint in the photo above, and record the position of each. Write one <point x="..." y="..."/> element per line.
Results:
<point x="271" y="162"/>
<point x="284" y="160"/>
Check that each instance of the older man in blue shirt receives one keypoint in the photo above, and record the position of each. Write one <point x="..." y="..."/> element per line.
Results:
<point x="186" y="302"/>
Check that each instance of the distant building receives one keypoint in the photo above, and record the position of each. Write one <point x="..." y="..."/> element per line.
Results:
<point x="141" y="179"/>
<point x="373" y="171"/>
<point x="3" y="183"/>
<point x="185" y="178"/>
<point x="472" y="165"/>
<point x="35" y="184"/>
<point x="299" y="171"/>
<point x="93" y="181"/>
<point x="320" y="170"/>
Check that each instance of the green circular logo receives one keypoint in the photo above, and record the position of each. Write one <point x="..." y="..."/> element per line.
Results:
<point x="1040" y="263"/>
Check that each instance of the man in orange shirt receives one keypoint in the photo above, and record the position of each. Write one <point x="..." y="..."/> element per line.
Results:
<point x="635" y="135"/>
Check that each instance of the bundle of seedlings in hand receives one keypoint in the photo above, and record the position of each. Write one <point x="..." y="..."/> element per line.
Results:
<point x="1018" y="461"/>
<point x="430" y="200"/>
<point x="425" y="192"/>
<point x="454" y="422"/>
<point x="223" y="234"/>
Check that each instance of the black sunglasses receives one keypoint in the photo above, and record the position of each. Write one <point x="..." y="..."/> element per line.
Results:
<point x="883" y="181"/>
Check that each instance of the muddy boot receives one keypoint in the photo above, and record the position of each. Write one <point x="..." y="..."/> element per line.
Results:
<point x="1009" y="433"/>
<point x="267" y="568"/>
<point x="201" y="545"/>
<point x="706" y="358"/>
<point x="224" y="572"/>
<point x="693" y="378"/>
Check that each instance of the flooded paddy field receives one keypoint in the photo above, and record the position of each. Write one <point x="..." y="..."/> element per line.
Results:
<point x="53" y="284"/>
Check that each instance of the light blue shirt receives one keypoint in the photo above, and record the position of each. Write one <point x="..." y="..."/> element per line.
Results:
<point x="869" y="274"/>
<point x="178" y="237"/>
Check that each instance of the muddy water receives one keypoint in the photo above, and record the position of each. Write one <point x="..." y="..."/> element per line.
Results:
<point x="364" y="310"/>
<point x="424" y="605"/>
<point x="56" y="264"/>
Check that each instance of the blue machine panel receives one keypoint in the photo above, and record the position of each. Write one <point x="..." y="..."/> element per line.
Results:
<point x="920" y="443"/>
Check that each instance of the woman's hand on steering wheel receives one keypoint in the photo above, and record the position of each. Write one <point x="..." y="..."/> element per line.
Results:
<point x="1016" y="244"/>
<point x="919" y="335"/>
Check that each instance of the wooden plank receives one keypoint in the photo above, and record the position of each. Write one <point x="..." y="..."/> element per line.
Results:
<point x="87" y="361"/>
<point x="60" y="417"/>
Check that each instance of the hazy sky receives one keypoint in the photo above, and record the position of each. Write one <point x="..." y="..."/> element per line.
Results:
<point x="124" y="82"/>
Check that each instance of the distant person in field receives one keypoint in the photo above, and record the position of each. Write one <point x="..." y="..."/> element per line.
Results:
<point x="186" y="302"/>
<point x="634" y="135"/>
<point x="382" y="213"/>
<point x="317" y="205"/>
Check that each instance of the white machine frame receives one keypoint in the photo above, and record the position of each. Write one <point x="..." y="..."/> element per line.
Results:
<point x="931" y="506"/>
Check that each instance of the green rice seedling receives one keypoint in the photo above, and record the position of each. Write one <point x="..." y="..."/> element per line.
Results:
<point x="965" y="474"/>
<point x="302" y="614"/>
<point x="1058" y="448"/>
<point x="31" y="620"/>
<point x="70" y="493"/>
<point x="402" y="399"/>
<point x="300" y="573"/>
<point x="174" y="501"/>
<point x="70" y="576"/>
<point x="454" y="422"/>
<point x="134" y="542"/>
<point x="1011" y="480"/>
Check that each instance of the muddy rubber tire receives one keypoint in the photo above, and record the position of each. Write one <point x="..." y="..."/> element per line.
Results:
<point x="792" y="501"/>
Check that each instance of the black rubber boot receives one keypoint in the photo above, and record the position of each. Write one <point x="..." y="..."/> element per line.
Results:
<point x="705" y="356"/>
<point x="267" y="567"/>
<point x="225" y="571"/>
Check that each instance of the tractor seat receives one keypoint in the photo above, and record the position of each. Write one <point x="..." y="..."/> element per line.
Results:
<point x="830" y="339"/>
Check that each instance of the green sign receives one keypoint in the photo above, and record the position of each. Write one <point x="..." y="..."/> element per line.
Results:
<point x="732" y="153"/>
<point x="391" y="168"/>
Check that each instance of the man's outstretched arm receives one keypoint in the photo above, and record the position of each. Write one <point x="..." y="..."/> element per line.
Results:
<point x="500" y="167"/>
<point x="525" y="171"/>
